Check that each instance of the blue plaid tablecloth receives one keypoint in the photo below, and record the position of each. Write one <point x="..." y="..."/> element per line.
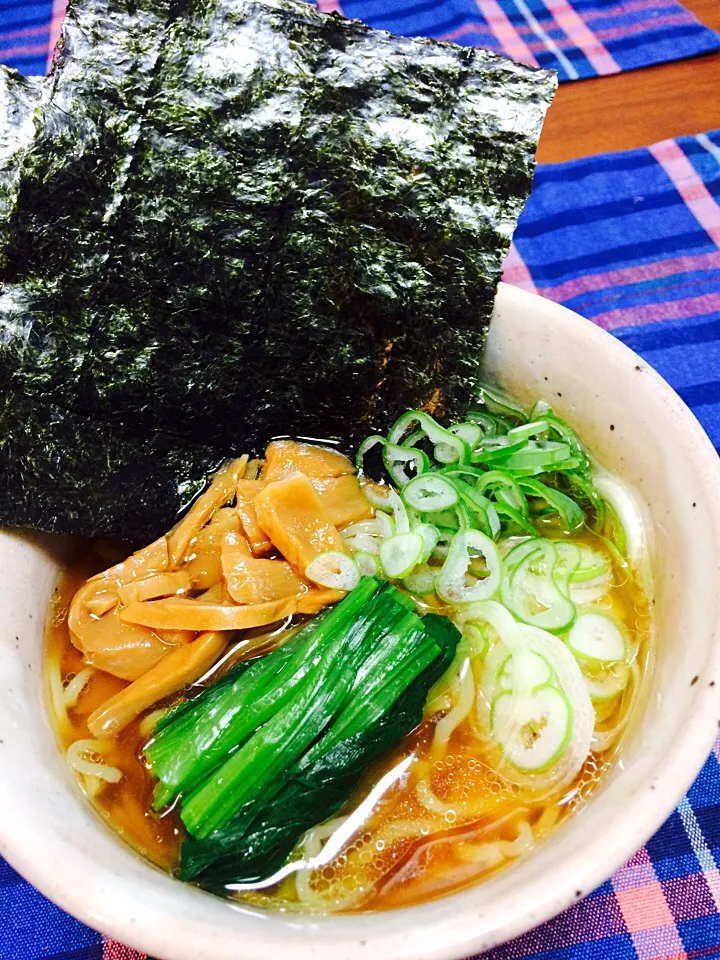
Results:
<point x="579" y="38"/>
<point x="632" y="241"/>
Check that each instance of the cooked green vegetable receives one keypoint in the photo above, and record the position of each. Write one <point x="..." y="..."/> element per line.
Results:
<point x="277" y="745"/>
<point x="474" y="480"/>
<point x="228" y="712"/>
<point x="236" y="219"/>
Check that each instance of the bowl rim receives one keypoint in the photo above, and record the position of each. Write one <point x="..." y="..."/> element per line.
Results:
<point x="416" y="931"/>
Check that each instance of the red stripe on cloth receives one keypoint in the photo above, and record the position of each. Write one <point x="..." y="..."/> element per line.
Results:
<point x="504" y="32"/>
<point x="568" y="19"/>
<point x="651" y="312"/>
<point x="17" y="34"/>
<point x="568" y="43"/>
<point x="58" y="15"/>
<point x="712" y="878"/>
<point x="116" y="951"/>
<point x="515" y="271"/>
<point x="625" y="276"/>
<point x="650" y="7"/>
<point x="649" y="921"/>
<point x="630" y="30"/>
<point x="461" y="31"/>
<point x="637" y="872"/>
<point x="23" y="50"/>
<point x="645" y="908"/>
<point x="689" y="185"/>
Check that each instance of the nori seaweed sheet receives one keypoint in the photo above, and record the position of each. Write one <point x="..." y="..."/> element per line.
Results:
<point x="236" y="220"/>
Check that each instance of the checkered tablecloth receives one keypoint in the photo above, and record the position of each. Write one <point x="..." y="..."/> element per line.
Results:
<point x="632" y="241"/>
<point x="579" y="38"/>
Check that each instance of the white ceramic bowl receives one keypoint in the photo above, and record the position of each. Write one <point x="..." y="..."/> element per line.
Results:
<point x="536" y="348"/>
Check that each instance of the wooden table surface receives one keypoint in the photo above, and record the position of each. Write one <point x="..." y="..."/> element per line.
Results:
<point x="636" y="108"/>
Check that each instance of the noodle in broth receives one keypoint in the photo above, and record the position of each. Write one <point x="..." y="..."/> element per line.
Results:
<point x="433" y="814"/>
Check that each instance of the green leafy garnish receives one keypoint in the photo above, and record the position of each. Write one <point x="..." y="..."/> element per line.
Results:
<point x="278" y="745"/>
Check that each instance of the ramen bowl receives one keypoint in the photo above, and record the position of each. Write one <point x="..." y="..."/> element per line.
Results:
<point x="637" y="428"/>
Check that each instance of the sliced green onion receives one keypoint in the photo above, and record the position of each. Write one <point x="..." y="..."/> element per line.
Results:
<point x="400" y="514"/>
<point x="497" y="450"/>
<point x="591" y="577"/>
<point x="364" y="536"/>
<point x="442" y="547"/>
<point x="583" y="490"/>
<point x="592" y="565"/>
<point x="539" y="672"/>
<point x="486" y="421"/>
<point x="451" y="581"/>
<point x="590" y="591"/>
<point x="446" y="519"/>
<point x="366" y="563"/>
<point x="609" y="684"/>
<point x="535" y="654"/>
<point x="430" y="535"/>
<point x="539" y="456"/>
<point x="505" y="626"/>
<point x="363" y="543"/>
<point x="569" y="512"/>
<point x="493" y="520"/>
<point x="370" y="527"/>
<point x="533" y="731"/>
<point x="448" y="447"/>
<point x="483" y="509"/>
<point x="540" y="409"/>
<point x="471" y="433"/>
<point x="400" y="554"/>
<point x="464" y="518"/>
<point x="497" y="402"/>
<point x="386" y="525"/>
<point x="365" y="447"/>
<point x="430" y="493"/>
<point x="462" y="471"/>
<point x="566" y="434"/>
<point x="379" y="500"/>
<point x="536" y="428"/>
<point x="567" y="467"/>
<point x="494" y="460"/>
<point x="530" y="589"/>
<point x="504" y="487"/>
<point x="515" y="518"/>
<point x="334" y="570"/>
<point x="414" y="438"/>
<point x="397" y="459"/>
<point x="420" y="580"/>
<point x="597" y="637"/>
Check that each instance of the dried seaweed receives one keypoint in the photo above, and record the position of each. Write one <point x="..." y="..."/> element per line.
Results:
<point x="18" y="98"/>
<point x="50" y="461"/>
<point x="240" y="219"/>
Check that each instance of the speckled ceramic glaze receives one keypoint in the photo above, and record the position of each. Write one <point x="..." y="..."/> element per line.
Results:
<point x="636" y="426"/>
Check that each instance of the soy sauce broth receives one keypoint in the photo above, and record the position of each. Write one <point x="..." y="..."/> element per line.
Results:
<point x="398" y="853"/>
